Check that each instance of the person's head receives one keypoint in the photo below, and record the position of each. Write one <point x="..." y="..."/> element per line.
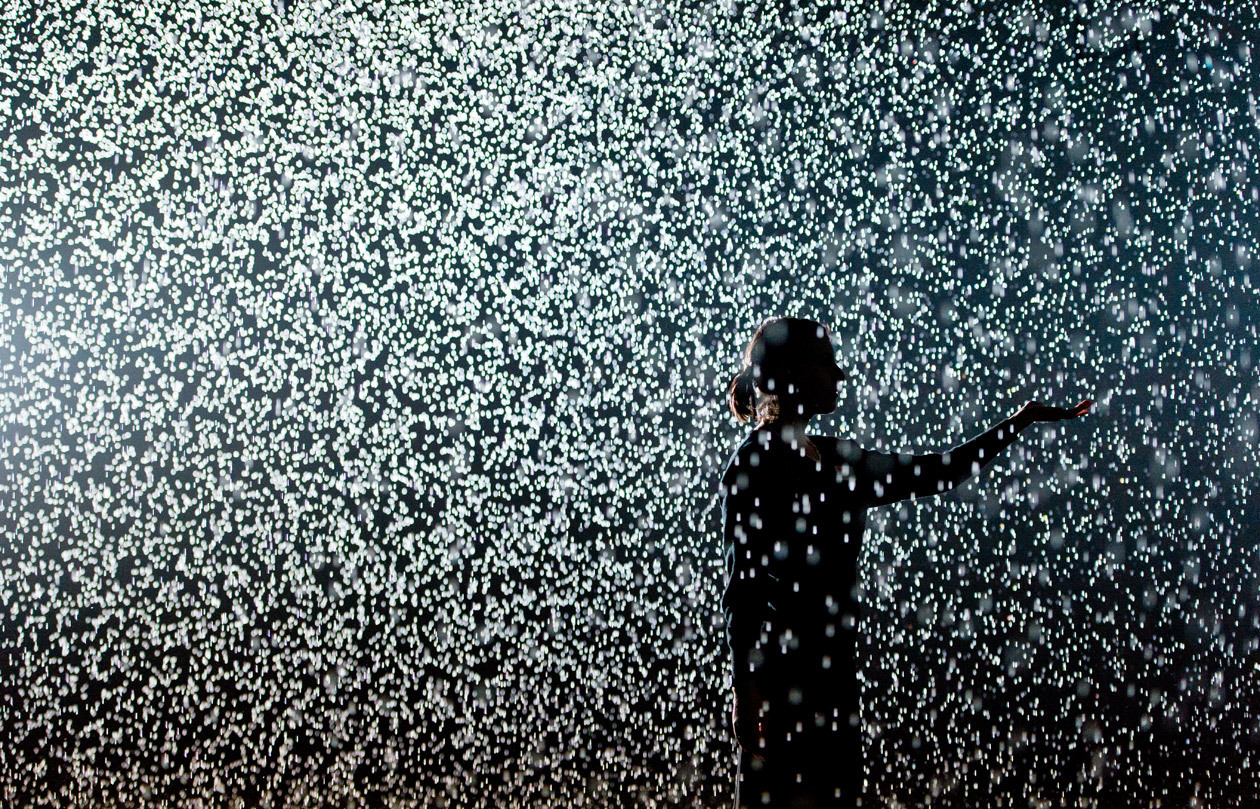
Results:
<point x="789" y="370"/>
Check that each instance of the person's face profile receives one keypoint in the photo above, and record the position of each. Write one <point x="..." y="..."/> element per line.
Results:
<point x="826" y="376"/>
<point x="816" y="383"/>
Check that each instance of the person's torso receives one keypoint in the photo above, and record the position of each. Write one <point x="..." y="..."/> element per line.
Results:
<point x="817" y="529"/>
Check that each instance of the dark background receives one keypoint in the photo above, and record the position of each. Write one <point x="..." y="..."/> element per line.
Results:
<point x="364" y="371"/>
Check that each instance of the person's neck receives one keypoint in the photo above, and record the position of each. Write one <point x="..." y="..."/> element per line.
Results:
<point x="790" y="430"/>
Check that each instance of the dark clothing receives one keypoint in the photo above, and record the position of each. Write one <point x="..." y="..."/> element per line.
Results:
<point x="793" y="529"/>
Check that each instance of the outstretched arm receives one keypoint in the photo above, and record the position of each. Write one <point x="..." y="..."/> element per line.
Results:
<point x="889" y="477"/>
<point x="897" y="476"/>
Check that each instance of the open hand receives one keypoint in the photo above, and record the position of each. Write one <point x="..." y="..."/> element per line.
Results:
<point x="1036" y="411"/>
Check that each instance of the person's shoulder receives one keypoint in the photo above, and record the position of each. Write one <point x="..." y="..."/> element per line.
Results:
<point x="754" y="453"/>
<point x="749" y="451"/>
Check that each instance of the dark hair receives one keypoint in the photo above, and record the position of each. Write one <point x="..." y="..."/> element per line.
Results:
<point x="775" y="350"/>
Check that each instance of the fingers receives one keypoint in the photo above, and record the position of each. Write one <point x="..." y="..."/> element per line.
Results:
<point x="1079" y="410"/>
<point x="1039" y="411"/>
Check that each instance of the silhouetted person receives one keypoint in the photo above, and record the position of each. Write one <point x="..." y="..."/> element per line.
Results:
<point x="794" y="513"/>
